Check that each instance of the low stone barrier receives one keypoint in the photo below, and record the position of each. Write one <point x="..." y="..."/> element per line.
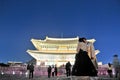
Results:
<point x="78" y="78"/>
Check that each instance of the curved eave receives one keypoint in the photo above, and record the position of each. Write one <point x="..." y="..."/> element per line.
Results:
<point x="61" y="39"/>
<point x="58" y="41"/>
<point x="55" y="52"/>
<point x="52" y="52"/>
<point x="91" y="40"/>
<point x="97" y="52"/>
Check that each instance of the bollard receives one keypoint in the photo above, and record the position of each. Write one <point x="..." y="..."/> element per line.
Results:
<point x="2" y="73"/>
<point x="13" y="72"/>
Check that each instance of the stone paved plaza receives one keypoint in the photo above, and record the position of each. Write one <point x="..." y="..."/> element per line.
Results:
<point x="18" y="77"/>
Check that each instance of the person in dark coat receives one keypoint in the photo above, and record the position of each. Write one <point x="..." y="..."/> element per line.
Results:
<point x="28" y="70"/>
<point x="49" y="71"/>
<point x="28" y="66"/>
<point x="31" y="68"/>
<point x="56" y="71"/>
<point x="68" y="68"/>
<point x="83" y="65"/>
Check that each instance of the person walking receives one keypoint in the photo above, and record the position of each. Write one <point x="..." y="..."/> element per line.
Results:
<point x="68" y="68"/>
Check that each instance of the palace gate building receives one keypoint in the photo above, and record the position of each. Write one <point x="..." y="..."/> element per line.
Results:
<point x="51" y="51"/>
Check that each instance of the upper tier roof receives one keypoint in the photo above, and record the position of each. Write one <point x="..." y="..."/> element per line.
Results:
<point x="50" y="40"/>
<point x="62" y="39"/>
<point x="57" y="42"/>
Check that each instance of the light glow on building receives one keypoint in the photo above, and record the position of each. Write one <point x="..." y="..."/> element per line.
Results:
<point x="53" y="51"/>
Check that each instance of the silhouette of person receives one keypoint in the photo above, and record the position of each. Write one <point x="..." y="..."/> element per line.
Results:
<point x="28" y="66"/>
<point x="68" y="68"/>
<point x="83" y="65"/>
<point x="31" y="68"/>
<point x="116" y="66"/>
<point x="56" y="71"/>
<point x="49" y="71"/>
<point x="53" y="71"/>
<point x="109" y="70"/>
<point x="28" y="69"/>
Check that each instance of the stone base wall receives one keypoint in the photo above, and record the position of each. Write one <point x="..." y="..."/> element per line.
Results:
<point x="78" y="78"/>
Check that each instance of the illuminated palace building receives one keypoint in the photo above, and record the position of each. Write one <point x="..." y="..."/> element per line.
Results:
<point x="51" y="51"/>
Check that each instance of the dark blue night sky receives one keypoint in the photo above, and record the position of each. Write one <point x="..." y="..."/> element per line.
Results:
<point x="21" y="20"/>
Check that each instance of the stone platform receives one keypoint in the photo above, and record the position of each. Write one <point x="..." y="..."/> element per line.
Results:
<point x="22" y="77"/>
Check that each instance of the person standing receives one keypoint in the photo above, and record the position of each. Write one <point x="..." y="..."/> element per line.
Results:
<point x="31" y="68"/>
<point x="110" y="70"/>
<point x="53" y="71"/>
<point x="68" y="68"/>
<point x="116" y="65"/>
<point x="56" y="71"/>
<point x="91" y="54"/>
<point x="28" y="70"/>
<point x="49" y="71"/>
<point x="83" y="65"/>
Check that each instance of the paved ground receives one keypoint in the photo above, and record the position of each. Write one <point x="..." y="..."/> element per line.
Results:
<point x="18" y="77"/>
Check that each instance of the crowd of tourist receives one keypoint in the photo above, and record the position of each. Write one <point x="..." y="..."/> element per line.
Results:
<point x="48" y="71"/>
<point x="85" y="65"/>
